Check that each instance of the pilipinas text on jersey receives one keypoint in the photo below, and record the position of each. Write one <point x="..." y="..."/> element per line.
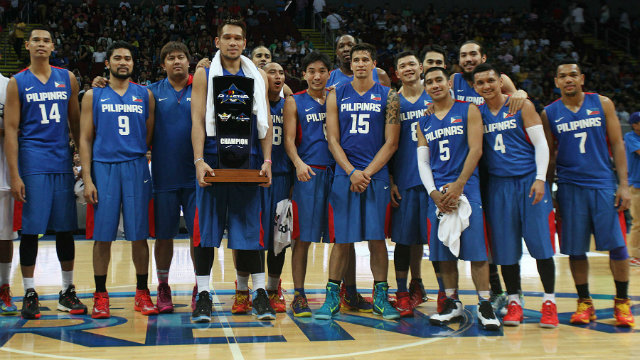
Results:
<point x="311" y="131"/>
<point x="583" y="156"/>
<point x="462" y="91"/>
<point x="120" y="123"/>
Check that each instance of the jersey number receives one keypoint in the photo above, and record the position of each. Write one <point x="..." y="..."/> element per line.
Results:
<point x="277" y="135"/>
<point x="444" y="150"/>
<point x="54" y="114"/>
<point x="123" y="124"/>
<point x="583" y="140"/>
<point x="414" y="131"/>
<point x="359" y="124"/>
<point x="499" y="145"/>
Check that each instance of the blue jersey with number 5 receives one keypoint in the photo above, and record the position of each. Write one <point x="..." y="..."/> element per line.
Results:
<point x="449" y="146"/>
<point x="43" y="138"/>
<point x="583" y="148"/>
<point x="120" y="123"/>
<point x="362" y="123"/>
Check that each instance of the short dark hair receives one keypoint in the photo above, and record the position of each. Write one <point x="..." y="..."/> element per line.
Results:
<point x="316" y="56"/>
<point x="172" y="46"/>
<point x="119" y="45"/>
<point x="480" y="48"/>
<point x="437" y="68"/>
<point x="234" y="22"/>
<point x="403" y="55"/>
<point x="437" y="49"/>
<point x="364" y="47"/>
<point x="253" y="52"/>
<point x="484" y="67"/>
<point x="569" y="61"/>
<point x="40" y="27"/>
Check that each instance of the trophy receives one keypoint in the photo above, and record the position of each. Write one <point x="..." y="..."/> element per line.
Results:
<point x="233" y="100"/>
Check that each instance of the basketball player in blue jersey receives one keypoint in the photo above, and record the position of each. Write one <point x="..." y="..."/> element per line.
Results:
<point x="518" y="203"/>
<point x="582" y="131"/>
<point x="213" y="203"/>
<point x="280" y="188"/>
<point x="449" y="147"/>
<point x="409" y="199"/>
<point x="363" y="127"/>
<point x="306" y="144"/>
<point x="343" y="74"/>
<point x="116" y="130"/>
<point x="41" y="108"/>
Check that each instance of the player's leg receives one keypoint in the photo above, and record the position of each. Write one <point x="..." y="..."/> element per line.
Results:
<point x="203" y="261"/>
<point x="337" y="268"/>
<point x="280" y="189"/>
<point x="350" y="298"/>
<point x="299" y="256"/>
<point x="7" y="235"/>
<point x="167" y="221"/>
<point x="416" y="288"/>
<point x="401" y="260"/>
<point x="417" y="292"/>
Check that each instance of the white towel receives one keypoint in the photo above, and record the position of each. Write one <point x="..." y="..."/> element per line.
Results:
<point x="283" y="226"/>
<point x="452" y="225"/>
<point x="259" y="95"/>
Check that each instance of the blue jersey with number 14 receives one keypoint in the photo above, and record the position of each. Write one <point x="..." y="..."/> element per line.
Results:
<point x="120" y="123"/>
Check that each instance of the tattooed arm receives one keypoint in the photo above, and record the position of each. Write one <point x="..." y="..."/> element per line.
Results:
<point x="391" y="134"/>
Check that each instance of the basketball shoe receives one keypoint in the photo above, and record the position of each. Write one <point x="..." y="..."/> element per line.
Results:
<point x="276" y="299"/>
<point x="261" y="306"/>
<point x="7" y="307"/>
<point x="30" y="305"/>
<point x="202" y="312"/>
<point x="417" y="293"/>
<point x="549" y="318"/>
<point x="331" y="304"/>
<point x="354" y="302"/>
<point x="100" y="305"/>
<point x="300" y="306"/>
<point x="622" y="313"/>
<point x="241" y="301"/>
<point x="68" y="301"/>
<point x="442" y="297"/>
<point x="452" y="311"/>
<point x="514" y="316"/>
<point x="585" y="312"/>
<point x="404" y="304"/>
<point x="486" y="317"/>
<point x="381" y="305"/>
<point x="163" y="299"/>
<point x="143" y="303"/>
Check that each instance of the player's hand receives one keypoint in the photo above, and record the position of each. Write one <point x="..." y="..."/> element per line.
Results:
<point x="623" y="198"/>
<point x="437" y="197"/>
<point x="304" y="172"/>
<point x="17" y="189"/>
<point x="537" y="191"/>
<point x="360" y="180"/>
<point x="90" y="193"/>
<point x="266" y="170"/>
<point x="331" y="88"/>
<point x="395" y="196"/>
<point x="516" y="101"/>
<point x="430" y="110"/>
<point x="100" y="82"/>
<point x="202" y="168"/>
<point x="203" y="63"/>
<point x="452" y="193"/>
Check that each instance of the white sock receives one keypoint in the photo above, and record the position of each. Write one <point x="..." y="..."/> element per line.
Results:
<point x="5" y="273"/>
<point x="550" y="297"/>
<point x="514" y="297"/>
<point x="243" y="283"/>
<point x="484" y="295"/>
<point x="449" y="292"/>
<point x="67" y="279"/>
<point x="28" y="283"/>
<point x="272" y="283"/>
<point x="203" y="283"/>
<point x="258" y="281"/>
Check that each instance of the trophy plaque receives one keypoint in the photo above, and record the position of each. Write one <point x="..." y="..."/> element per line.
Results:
<point x="233" y="100"/>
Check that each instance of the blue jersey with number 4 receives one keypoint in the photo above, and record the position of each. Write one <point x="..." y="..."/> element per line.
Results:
<point x="362" y="123"/>
<point x="405" y="162"/>
<point x="43" y="139"/>
<point x="120" y="123"/>
<point x="583" y="157"/>
<point x="507" y="149"/>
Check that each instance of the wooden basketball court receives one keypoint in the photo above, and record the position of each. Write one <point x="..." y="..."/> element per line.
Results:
<point x="129" y="335"/>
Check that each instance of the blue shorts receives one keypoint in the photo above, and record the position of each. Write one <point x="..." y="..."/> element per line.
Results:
<point x="236" y="207"/>
<point x="355" y="217"/>
<point x="511" y="216"/>
<point x="311" y="206"/>
<point x="473" y="246"/>
<point x="123" y="185"/>
<point x="279" y="190"/>
<point x="51" y="204"/>
<point x="584" y="212"/>
<point x="409" y="223"/>
<point x="167" y="205"/>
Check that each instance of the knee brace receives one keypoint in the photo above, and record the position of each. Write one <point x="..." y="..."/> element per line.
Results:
<point x="28" y="249"/>
<point x="578" y="257"/>
<point x="402" y="257"/>
<point x="65" y="246"/>
<point x="275" y="263"/>
<point x="619" y="253"/>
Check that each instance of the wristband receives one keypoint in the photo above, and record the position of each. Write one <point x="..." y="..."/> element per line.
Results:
<point x="352" y="171"/>
<point x="198" y="159"/>
<point x="268" y="161"/>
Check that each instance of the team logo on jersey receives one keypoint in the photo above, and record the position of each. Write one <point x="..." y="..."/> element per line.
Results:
<point x="136" y="99"/>
<point x="242" y="117"/>
<point x="376" y="97"/>
<point x="233" y="95"/>
<point x="224" y="116"/>
<point x="593" y="112"/>
<point x="456" y="119"/>
<point x="427" y="103"/>
<point x="59" y="84"/>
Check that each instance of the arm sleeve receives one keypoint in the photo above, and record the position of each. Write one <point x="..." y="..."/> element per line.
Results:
<point x="536" y="134"/>
<point x="424" y="168"/>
